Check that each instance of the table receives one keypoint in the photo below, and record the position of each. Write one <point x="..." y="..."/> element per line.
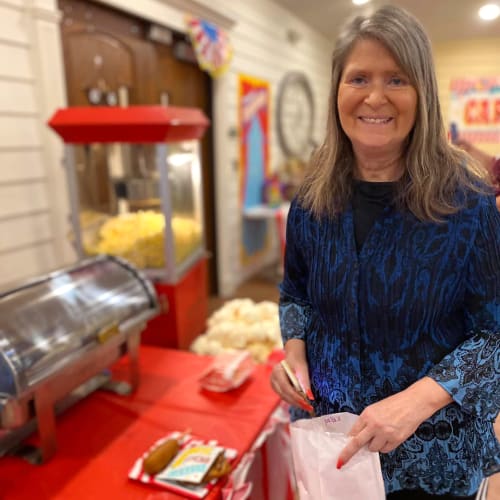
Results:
<point x="100" y="438"/>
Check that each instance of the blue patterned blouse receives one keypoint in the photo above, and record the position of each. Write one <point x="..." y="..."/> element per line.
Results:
<point x="419" y="299"/>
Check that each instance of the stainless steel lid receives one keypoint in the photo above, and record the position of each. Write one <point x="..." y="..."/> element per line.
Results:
<point x="47" y="319"/>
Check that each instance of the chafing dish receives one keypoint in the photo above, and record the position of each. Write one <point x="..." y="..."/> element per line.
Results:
<point x="58" y="335"/>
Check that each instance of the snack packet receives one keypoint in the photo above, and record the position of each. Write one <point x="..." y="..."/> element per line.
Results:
<point x="191" y="464"/>
<point x="227" y="371"/>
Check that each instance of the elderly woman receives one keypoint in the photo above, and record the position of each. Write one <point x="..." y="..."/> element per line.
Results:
<point x="389" y="304"/>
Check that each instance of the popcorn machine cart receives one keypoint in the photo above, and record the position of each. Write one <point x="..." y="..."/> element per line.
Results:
<point x="135" y="187"/>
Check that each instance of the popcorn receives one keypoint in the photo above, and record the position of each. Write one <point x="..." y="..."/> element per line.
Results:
<point x="139" y="238"/>
<point x="244" y="325"/>
<point x="267" y="309"/>
<point x="204" y="345"/>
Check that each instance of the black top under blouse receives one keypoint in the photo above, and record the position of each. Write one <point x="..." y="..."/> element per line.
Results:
<point x="369" y="200"/>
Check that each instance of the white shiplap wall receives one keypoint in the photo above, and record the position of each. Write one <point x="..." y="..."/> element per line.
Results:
<point x="33" y="213"/>
<point x="27" y="244"/>
<point x="33" y="200"/>
<point x="262" y="50"/>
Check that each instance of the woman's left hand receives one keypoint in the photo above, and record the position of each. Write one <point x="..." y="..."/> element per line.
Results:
<point x="384" y="425"/>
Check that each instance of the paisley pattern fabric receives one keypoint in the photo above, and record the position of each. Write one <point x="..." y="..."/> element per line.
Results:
<point x="420" y="299"/>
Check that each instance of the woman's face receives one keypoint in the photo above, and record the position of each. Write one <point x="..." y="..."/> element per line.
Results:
<point x="376" y="103"/>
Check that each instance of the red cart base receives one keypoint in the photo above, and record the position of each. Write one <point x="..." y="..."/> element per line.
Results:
<point x="186" y="308"/>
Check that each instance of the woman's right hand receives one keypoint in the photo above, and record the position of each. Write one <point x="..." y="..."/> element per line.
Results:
<point x="295" y="356"/>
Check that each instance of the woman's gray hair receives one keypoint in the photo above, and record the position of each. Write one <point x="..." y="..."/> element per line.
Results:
<point x="434" y="169"/>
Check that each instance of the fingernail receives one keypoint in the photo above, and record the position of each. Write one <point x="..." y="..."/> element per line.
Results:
<point x="310" y="394"/>
<point x="306" y="407"/>
<point x="339" y="464"/>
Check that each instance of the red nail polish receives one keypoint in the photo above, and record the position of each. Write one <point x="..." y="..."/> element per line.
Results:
<point x="310" y="394"/>
<point x="306" y="407"/>
<point x="339" y="464"/>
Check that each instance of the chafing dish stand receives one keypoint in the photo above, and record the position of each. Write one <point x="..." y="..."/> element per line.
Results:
<point x="58" y="336"/>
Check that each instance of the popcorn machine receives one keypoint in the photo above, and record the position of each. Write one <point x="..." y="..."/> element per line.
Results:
<point x="135" y="186"/>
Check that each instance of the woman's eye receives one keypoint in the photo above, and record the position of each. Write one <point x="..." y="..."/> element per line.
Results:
<point x="397" y="81"/>
<point x="358" y="80"/>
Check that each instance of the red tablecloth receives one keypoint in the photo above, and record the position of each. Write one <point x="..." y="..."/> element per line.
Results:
<point x="100" y="438"/>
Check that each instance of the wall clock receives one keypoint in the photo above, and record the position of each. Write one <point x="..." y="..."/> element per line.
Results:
<point x="295" y="115"/>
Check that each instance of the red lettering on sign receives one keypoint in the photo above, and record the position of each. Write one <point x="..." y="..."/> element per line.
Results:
<point x="476" y="112"/>
<point x="496" y="111"/>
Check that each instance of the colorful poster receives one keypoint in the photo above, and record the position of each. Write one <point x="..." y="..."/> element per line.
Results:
<point x="254" y="161"/>
<point x="475" y="109"/>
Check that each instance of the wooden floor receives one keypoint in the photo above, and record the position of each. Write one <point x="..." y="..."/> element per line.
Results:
<point x="258" y="289"/>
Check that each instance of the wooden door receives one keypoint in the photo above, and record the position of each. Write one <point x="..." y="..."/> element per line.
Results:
<point x="109" y="54"/>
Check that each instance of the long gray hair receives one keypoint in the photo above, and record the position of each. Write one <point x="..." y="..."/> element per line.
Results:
<point x="434" y="169"/>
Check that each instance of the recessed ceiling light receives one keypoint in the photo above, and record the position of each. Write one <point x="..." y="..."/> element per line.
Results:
<point x="489" y="12"/>
<point x="360" y="2"/>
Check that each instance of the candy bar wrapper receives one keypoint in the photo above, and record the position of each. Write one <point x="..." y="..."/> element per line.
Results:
<point x="189" y="445"/>
<point x="316" y="446"/>
<point x="227" y="371"/>
<point x="191" y="464"/>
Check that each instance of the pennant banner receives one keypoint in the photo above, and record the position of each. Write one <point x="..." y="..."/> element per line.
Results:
<point x="211" y="44"/>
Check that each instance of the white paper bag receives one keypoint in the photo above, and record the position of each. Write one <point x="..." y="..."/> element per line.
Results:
<point x="316" y="445"/>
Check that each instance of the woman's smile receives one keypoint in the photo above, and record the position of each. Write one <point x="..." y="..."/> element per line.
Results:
<point x="372" y="120"/>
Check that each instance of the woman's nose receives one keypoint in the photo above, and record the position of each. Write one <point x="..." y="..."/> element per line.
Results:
<point x="376" y="95"/>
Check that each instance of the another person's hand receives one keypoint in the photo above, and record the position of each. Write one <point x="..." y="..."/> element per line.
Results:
<point x="485" y="159"/>
<point x="296" y="358"/>
<point x="384" y="425"/>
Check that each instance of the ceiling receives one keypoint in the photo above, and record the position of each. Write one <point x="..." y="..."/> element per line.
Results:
<point x="443" y="19"/>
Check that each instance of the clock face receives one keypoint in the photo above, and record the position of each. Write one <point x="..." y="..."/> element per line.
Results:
<point x="295" y="115"/>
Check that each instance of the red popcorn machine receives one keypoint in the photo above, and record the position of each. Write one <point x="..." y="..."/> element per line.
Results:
<point x="135" y="186"/>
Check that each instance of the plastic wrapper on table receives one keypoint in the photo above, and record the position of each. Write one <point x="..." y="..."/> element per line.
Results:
<point x="228" y="371"/>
